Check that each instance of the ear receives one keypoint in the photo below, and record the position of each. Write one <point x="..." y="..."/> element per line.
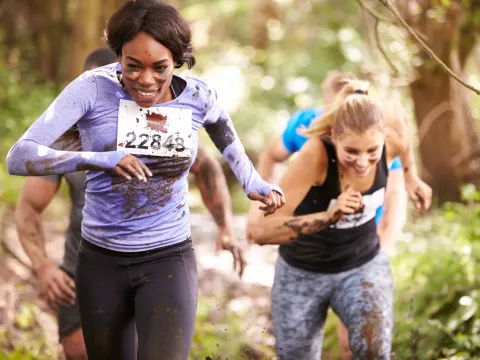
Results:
<point x="332" y="136"/>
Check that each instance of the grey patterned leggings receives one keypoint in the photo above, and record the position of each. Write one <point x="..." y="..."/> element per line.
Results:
<point x="362" y="298"/>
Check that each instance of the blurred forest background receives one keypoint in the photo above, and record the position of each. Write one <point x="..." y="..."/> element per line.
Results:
<point x="267" y="59"/>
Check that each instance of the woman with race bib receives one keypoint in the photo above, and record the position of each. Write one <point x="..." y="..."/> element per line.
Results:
<point x="330" y="253"/>
<point x="138" y="125"/>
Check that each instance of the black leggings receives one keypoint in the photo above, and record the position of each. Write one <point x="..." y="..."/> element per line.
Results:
<point x="154" y="291"/>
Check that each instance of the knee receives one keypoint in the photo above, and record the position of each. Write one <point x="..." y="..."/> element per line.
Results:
<point x="74" y="346"/>
<point x="369" y="348"/>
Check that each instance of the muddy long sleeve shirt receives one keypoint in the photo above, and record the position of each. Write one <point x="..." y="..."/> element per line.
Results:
<point x="130" y="215"/>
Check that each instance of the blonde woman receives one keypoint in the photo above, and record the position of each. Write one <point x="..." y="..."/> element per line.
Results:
<point x="329" y="248"/>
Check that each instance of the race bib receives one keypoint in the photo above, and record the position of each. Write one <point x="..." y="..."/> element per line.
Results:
<point x="157" y="131"/>
<point x="371" y="203"/>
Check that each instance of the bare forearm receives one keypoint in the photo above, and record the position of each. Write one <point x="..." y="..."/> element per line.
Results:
<point x="407" y="158"/>
<point x="214" y="190"/>
<point x="284" y="229"/>
<point x="31" y="235"/>
<point x="388" y="231"/>
<point x="266" y="166"/>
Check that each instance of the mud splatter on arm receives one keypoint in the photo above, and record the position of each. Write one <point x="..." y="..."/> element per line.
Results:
<point x="284" y="229"/>
<point x="308" y="168"/>
<point x="219" y="127"/>
<point x="33" y="154"/>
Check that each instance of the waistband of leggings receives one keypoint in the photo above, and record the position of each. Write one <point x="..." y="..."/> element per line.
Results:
<point x="181" y="246"/>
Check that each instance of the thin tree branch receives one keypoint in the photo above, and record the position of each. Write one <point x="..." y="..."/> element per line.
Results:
<point x="381" y="49"/>
<point x="375" y="14"/>
<point x="432" y="116"/>
<point x="430" y="52"/>
<point x="465" y="154"/>
<point x="385" y="19"/>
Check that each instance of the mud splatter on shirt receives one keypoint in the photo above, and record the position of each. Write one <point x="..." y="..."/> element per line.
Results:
<point x="118" y="214"/>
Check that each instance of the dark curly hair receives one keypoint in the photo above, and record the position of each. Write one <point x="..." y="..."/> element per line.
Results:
<point x="157" y="19"/>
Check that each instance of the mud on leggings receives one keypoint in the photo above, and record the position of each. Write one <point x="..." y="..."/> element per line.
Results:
<point x="152" y="291"/>
<point x="362" y="297"/>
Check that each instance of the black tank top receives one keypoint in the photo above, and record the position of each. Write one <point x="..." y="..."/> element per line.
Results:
<point x="349" y="243"/>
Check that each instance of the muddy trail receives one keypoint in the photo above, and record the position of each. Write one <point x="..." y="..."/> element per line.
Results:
<point x="27" y="325"/>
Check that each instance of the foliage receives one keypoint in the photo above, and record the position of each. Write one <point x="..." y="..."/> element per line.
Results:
<point x="437" y="297"/>
<point x="268" y="86"/>
<point x="20" y="104"/>
<point x="25" y="339"/>
<point x="437" y="291"/>
<point x="213" y="331"/>
<point x="219" y="335"/>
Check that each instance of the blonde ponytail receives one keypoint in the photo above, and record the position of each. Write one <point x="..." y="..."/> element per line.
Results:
<point x="352" y="99"/>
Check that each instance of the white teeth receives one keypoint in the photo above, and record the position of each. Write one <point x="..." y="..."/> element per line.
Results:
<point x="143" y="93"/>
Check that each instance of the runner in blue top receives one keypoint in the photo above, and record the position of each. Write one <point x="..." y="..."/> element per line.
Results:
<point x="138" y="127"/>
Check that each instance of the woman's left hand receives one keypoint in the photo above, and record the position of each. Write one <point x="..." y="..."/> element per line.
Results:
<point x="272" y="202"/>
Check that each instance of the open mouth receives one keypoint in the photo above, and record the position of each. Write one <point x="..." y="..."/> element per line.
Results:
<point x="360" y="170"/>
<point x="146" y="95"/>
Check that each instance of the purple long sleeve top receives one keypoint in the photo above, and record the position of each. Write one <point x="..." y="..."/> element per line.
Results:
<point x="119" y="214"/>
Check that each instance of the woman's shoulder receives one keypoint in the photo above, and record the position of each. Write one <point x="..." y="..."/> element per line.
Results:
<point x="315" y="153"/>
<point x="107" y="75"/>
<point x="200" y="88"/>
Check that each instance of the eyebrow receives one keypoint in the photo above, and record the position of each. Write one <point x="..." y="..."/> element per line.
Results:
<point x="348" y="148"/>
<point x="139" y="62"/>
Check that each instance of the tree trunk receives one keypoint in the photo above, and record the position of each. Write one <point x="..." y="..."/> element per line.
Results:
<point x="449" y="135"/>
<point x="87" y="34"/>
<point x="263" y="10"/>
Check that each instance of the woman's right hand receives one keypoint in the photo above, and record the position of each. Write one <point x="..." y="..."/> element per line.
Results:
<point x="130" y="166"/>
<point x="349" y="202"/>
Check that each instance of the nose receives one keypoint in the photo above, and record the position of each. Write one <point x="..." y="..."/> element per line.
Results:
<point x="362" y="161"/>
<point x="146" y="79"/>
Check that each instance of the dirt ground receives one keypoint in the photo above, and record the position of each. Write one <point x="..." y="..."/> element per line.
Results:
<point x="26" y="322"/>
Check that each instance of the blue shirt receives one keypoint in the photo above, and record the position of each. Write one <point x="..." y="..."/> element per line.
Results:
<point x="293" y="141"/>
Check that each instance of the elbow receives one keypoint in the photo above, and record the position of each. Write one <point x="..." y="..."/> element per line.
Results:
<point x="11" y="163"/>
<point x="16" y="160"/>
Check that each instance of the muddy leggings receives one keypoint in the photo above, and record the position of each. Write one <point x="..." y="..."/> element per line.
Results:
<point x="362" y="298"/>
<point x="154" y="291"/>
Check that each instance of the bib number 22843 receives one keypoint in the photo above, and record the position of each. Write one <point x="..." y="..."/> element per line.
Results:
<point x="154" y="142"/>
<point x="157" y="131"/>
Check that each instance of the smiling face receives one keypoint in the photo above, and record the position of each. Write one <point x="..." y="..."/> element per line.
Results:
<point x="358" y="153"/>
<point x="147" y="70"/>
